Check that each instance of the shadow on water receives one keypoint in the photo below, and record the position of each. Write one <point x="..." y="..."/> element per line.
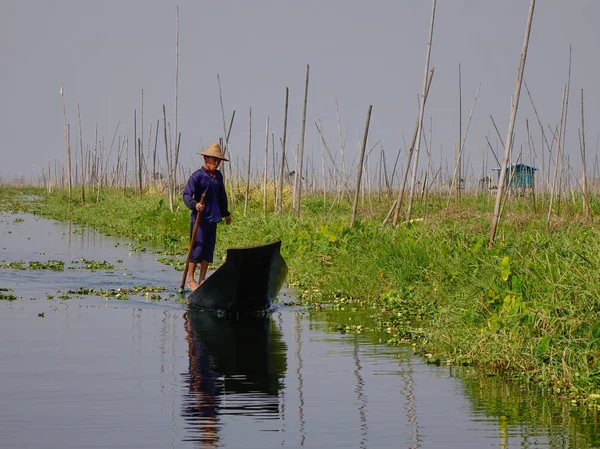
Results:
<point x="241" y="360"/>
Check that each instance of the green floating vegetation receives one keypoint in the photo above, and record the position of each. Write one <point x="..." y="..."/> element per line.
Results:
<point x="179" y="265"/>
<point x="53" y="265"/>
<point x="118" y="293"/>
<point x="89" y="264"/>
<point x="6" y="294"/>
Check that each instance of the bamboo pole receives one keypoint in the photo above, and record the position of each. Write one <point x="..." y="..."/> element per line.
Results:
<point x="67" y="146"/>
<point x="146" y="171"/>
<point x="96" y="174"/>
<point x="175" y="158"/>
<point x="564" y="131"/>
<point x="296" y="151"/>
<point x="544" y="139"/>
<point x="126" y="163"/>
<point x="511" y="126"/>
<point x="265" y="177"/>
<point x="531" y="148"/>
<point x="421" y="112"/>
<point x="458" y="171"/>
<point x="222" y="114"/>
<point x="249" y="159"/>
<point x="275" y="173"/>
<point x="135" y="148"/>
<point x="388" y="185"/>
<point x="342" y="139"/>
<point x="462" y="145"/>
<point x="81" y="156"/>
<point x="168" y="162"/>
<point x="397" y="205"/>
<point x="142" y="123"/>
<point x="139" y="145"/>
<point x="324" y="146"/>
<point x="155" y="147"/>
<point x="586" y="203"/>
<point x="558" y="155"/>
<point x="360" y="166"/>
<point x="283" y="144"/>
<point x="323" y="184"/>
<point x="298" y="189"/>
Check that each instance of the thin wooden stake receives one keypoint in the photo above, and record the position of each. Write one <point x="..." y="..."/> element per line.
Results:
<point x="249" y="158"/>
<point x="283" y="144"/>
<point x="421" y="112"/>
<point x="360" y="167"/>
<point x="586" y="203"/>
<point x="298" y="189"/>
<point x="67" y="146"/>
<point x="265" y="178"/>
<point x="81" y="155"/>
<point x="511" y="126"/>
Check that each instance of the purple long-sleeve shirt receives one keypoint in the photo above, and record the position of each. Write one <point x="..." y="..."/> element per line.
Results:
<point x="215" y="203"/>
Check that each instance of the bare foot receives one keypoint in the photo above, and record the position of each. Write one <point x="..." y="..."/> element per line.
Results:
<point x="201" y="282"/>
<point x="192" y="285"/>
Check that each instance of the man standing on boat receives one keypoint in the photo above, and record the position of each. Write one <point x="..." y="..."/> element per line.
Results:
<point x="207" y="180"/>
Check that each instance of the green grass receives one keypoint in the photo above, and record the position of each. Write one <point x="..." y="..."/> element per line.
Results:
<point x="527" y="308"/>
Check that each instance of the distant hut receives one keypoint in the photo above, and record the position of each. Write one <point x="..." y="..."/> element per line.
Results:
<point x="523" y="177"/>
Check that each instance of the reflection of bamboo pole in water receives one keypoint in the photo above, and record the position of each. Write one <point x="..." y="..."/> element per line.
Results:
<point x="281" y="394"/>
<point x="69" y="235"/>
<point x="174" y="375"/>
<point x="361" y="398"/>
<point x="298" y="342"/>
<point x="411" y="400"/>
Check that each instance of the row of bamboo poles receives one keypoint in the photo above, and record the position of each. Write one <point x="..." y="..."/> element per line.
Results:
<point x="369" y="177"/>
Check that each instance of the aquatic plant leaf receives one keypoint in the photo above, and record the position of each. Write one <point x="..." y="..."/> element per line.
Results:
<point x="543" y="346"/>
<point x="505" y="268"/>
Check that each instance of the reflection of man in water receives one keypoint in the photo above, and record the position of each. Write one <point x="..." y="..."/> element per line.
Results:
<point x="243" y="358"/>
<point x="201" y="406"/>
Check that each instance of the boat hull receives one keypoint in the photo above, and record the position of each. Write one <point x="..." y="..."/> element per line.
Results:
<point x="247" y="282"/>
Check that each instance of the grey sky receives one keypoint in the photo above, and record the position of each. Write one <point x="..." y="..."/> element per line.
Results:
<point x="105" y="53"/>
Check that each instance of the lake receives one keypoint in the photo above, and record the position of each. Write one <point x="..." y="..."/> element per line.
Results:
<point x="89" y="362"/>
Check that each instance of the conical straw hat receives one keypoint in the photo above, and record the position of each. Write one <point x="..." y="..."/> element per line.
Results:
<point x="214" y="150"/>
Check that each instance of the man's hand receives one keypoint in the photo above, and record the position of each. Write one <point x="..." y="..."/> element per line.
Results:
<point x="228" y="219"/>
<point x="199" y="207"/>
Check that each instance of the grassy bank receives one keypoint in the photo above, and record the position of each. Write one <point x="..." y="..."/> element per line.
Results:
<point x="527" y="308"/>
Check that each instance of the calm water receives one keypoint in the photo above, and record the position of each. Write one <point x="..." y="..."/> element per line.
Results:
<point x="87" y="372"/>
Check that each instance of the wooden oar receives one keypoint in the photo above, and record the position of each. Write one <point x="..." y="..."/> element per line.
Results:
<point x="187" y="259"/>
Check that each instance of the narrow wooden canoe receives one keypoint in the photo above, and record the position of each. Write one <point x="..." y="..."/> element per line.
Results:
<point x="247" y="282"/>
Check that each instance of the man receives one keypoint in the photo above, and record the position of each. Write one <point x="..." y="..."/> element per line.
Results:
<point x="207" y="180"/>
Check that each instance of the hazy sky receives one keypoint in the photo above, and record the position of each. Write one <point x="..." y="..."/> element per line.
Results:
<point x="360" y="52"/>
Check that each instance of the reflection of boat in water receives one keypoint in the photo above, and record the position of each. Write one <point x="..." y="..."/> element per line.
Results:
<point x="242" y="359"/>
<point x="248" y="281"/>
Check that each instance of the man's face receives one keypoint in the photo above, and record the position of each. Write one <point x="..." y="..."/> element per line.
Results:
<point x="212" y="163"/>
